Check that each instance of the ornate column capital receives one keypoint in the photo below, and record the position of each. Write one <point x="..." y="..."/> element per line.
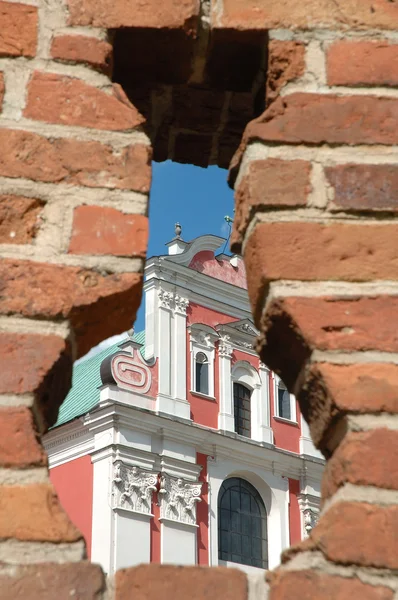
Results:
<point x="180" y="304"/>
<point x="133" y="488"/>
<point x="178" y="499"/>
<point x="166" y="299"/>
<point x="224" y="346"/>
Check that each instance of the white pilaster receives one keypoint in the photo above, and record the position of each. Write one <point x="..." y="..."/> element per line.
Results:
<point x="226" y="421"/>
<point x="263" y="432"/>
<point x="132" y="501"/>
<point x="102" y="521"/>
<point x="178" y="499"/>
<point x="306" y="445"/>
<point x="179" y="364"/>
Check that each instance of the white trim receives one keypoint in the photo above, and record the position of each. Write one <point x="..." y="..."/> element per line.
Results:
<point x="274" y="491"/>
<point x="202" y="340"/>
<point x="293" y="418"/>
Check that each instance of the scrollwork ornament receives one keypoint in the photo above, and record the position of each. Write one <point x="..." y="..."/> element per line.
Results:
<point x="178" y="499"/>
<point x="133" y="488"/>
<point x="181" y="304"/>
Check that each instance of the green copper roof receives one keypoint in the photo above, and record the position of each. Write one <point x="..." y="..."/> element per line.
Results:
<point x="84" y="393"/>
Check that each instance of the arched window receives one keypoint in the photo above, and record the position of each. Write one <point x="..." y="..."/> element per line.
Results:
<point x="201" y="373"/>
<point x="242" y="409"/>
<point x="242" y="524"/>
<point x="284" y="404"/>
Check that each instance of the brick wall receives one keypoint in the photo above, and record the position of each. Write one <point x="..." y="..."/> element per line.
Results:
<point x="316" y="202"/>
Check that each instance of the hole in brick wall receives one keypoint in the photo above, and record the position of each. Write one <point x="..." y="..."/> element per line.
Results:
<point x="197" y="106"/>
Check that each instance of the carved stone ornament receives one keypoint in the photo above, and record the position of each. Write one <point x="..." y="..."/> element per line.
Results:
<point x="242" y="344"/>
<point x="133" y="488"/>
<point x="245" y="327"/>
<point x="224" y="346"/>
<point x="178" y="499"/>
<point x="181" y="304"/>
<point x="310" y="520"/>
<point x="165" y="299"/>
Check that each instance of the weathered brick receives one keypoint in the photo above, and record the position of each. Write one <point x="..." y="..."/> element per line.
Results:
<point x="18" y="32"/>
<point x="81" y="295"/>
<point x="19" y="443"/>
<point x="150" y="582"/>
<point x="269" y="183"/>
<point x="338" y="251"/>
<point x="363" y="458"/>
<point x="33" y="512"/>
<point x="90" y="164"/>
<point x="46" y="581"/>
<point x="83" y="49"/>
<point x="311" y="585"/>
<point x="171" y="14"/>
<point x="374" y="529"/>
<point x="2" y="89"/>
<point x="344" y="323"/>
<point x="319" y="118"/>
<point x="23" y="367"/>
<point x="286" y="62"/>
<point x="292" y="327"/>
<point x="58" y="99"/>
<point x="257" y="14"/>
<point x="19" y="219"/>
<point x="362" y="63"/>
<point x="364" y="187"/>
<point x="329" y="391"/>
<point x="105" y="230"/>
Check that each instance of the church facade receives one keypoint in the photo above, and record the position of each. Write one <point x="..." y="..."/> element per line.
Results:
<point x="178" y="445"/>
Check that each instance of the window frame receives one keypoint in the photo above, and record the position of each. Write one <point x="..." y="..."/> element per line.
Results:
<point x="250" y="390"/>
<point x="293" y="412"/>
<point x="248" y="488"/>
<point x="202" y="341"/>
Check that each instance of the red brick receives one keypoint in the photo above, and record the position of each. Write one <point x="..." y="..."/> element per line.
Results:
<point x="34" y="513"/>
<point x="23" y="367"/>
<point x="330" y="391"/>
<point x="286" y="62"/>
<point x="364" y="187"/>
<point x="2" y="89"/>
<point x="362" y="63"/>
<point x="273" y="14"/>
<point x="58" y="99"/>
<point x="359" y="533"/>
<point x="18" y="32"/>
<point x="319" y="118"/>
<point x="270" y="183"/>
<point x="90" y="164"/>
<point x="362" y="388"/>
<point x="19" y="219"/>
<point x="46" y="581"/>
<point x="19" y="444"/>
<point x="104" y="230"/>
<point x="83" y="49"/>
<point x="81" y="295"/>
<point x="151" y="582"/>
<point x="169" y="14"/>
<point x="349" y="324"/>
<point x="338" y="251"/>
<point x="363" y="458"/>
<point x="313" y="585"/>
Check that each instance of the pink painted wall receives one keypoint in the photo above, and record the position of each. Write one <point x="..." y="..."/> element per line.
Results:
<point x="204" y="262"/>
<point x="202" y="509"/>
<point x="74" y="484"/>
<point x="286" y="435"/>
<point x="294" y="512"/>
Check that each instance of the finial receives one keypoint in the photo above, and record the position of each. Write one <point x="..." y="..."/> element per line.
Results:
<point x="178" y="229"/>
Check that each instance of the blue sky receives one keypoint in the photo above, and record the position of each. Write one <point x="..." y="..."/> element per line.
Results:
<point x="197" y="198"/>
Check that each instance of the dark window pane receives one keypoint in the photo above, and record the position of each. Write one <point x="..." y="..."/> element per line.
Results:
<point x="202" y="374"/>
<point x="242" y="409"/>
<point x="243" y="525"/>
<point x="284" y="402"/>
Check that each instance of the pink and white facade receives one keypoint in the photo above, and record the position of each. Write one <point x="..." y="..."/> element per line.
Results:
<point x="195" y="453"/>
